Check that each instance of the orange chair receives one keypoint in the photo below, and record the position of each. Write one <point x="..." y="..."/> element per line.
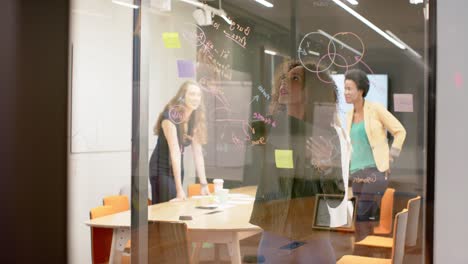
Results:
<point x="119" y="202"/>
<point x="194" y="189"/>
<point x="413" y="208"/>
<point x="101" y="238"/>
<point x="386" y="213"/>
<point x="398" y="245"/>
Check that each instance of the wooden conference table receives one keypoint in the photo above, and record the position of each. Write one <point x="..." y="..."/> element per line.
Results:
<point x="228" y="227"/>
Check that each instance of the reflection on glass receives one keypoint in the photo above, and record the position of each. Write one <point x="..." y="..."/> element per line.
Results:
<point x="258" y="97"/>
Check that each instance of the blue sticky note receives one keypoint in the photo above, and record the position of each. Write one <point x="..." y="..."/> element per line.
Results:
<point x="186" y="69"/>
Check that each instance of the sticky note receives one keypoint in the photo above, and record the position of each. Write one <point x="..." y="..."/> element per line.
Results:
<point x="284" y="159"/>
<point x="186" y="69"/>
<point x="171" y="40"/>
<point x="403" y="102"/>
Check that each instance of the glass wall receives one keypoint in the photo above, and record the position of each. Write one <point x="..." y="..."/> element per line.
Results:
<point x="263" y="131"/>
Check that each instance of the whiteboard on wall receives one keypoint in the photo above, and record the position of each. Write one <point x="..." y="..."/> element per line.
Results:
<point x="101" y="87"/>
<point x="101" y="90"/>
<point x="378" y="92"/>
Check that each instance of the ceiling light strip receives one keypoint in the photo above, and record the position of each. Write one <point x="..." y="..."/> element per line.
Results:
<point x="370" y="24"/>
<point x="125" y="4"/>
<point x="270" y="52"/>
<point x="415" y="53"/>
<point x="353" y="2"/>
<point x="265" y="3"/>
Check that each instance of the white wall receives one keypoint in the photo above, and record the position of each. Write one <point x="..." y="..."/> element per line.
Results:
<point x="451" y="178"/>
<point x="100" y="114"/>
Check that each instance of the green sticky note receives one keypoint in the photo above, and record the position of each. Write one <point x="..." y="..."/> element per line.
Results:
<point x="171" y="40"/>
<point x="284" y="159"/>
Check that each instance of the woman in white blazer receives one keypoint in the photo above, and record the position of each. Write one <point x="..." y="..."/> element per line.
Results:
<point x="367" y="125"/>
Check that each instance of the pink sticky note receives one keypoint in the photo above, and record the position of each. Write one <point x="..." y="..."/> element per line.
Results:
<point x="403" y="102"/>
<point x="186" y="69"/>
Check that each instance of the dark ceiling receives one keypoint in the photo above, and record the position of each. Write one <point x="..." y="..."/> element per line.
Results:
<point x="405" y="20"/>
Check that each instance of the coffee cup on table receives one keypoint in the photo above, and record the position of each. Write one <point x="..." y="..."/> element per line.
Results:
<point x="222" y="195"/>
<point x="218" y="184"/>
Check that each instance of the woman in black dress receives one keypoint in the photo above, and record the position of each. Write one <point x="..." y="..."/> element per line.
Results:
<point x="180" y="124"/>
<point x="301" y="158"/>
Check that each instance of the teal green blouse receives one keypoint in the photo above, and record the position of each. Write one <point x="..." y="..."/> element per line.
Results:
<point x="361" y="156"/>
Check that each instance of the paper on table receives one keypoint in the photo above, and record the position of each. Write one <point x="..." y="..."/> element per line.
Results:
<point x="171" y="40"/>
<point x="403" y="102"/>
<point x="225" y="206"/>
<point x="236" y="195"/>
<point x="239" y="202"/>
<point x="284" y="159"/>
<point x="243" y="198"/>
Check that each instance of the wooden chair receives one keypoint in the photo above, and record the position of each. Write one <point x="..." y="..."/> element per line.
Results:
<point x="168" y="242"/>
<point x="194" y="189"/>
<point x="386" y="213"/>
<point x="413" y="207"/>
<point x="398" y="248"/>
<point x="119" y="202"/>
<point x="101" y="238"/>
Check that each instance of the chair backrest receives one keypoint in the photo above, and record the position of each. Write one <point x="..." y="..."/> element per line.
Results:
<point x="101" y="238"/>
<point x="399" y="236"/>
<point x="194" y="189"/>
<point x="414" y="206"/>
<point x="119" y="202"/>
<point x="386" y="212"/>
<point x="168" y="243"/>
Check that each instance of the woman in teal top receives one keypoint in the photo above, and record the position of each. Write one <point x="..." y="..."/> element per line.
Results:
<point x="362" y="157"/>
<point x="371" y="157"/>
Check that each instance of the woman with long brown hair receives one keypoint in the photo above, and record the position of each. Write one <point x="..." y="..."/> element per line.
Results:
<point x="180" y="124"/>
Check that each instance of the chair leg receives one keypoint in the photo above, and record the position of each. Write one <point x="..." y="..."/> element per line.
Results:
<point x="216" y="252"/>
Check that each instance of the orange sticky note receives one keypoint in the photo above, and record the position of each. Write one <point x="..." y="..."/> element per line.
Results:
<point x="171" y="40"/>
<point x="284" y="159"/>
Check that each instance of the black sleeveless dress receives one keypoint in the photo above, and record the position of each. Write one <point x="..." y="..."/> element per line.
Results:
<point x="161" y="174"/>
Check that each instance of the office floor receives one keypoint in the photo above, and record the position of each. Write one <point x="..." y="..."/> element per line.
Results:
<point x="342" y="243"/>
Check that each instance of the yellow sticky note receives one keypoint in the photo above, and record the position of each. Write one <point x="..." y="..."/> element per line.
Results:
<point x="171" y="40"/>
<point x="284" y="159"/>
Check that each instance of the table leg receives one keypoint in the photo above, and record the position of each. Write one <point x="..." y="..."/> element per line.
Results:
<point x="234" y="249"/>
<point x="196" y="252"/>
<point x="120" y="237"/>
